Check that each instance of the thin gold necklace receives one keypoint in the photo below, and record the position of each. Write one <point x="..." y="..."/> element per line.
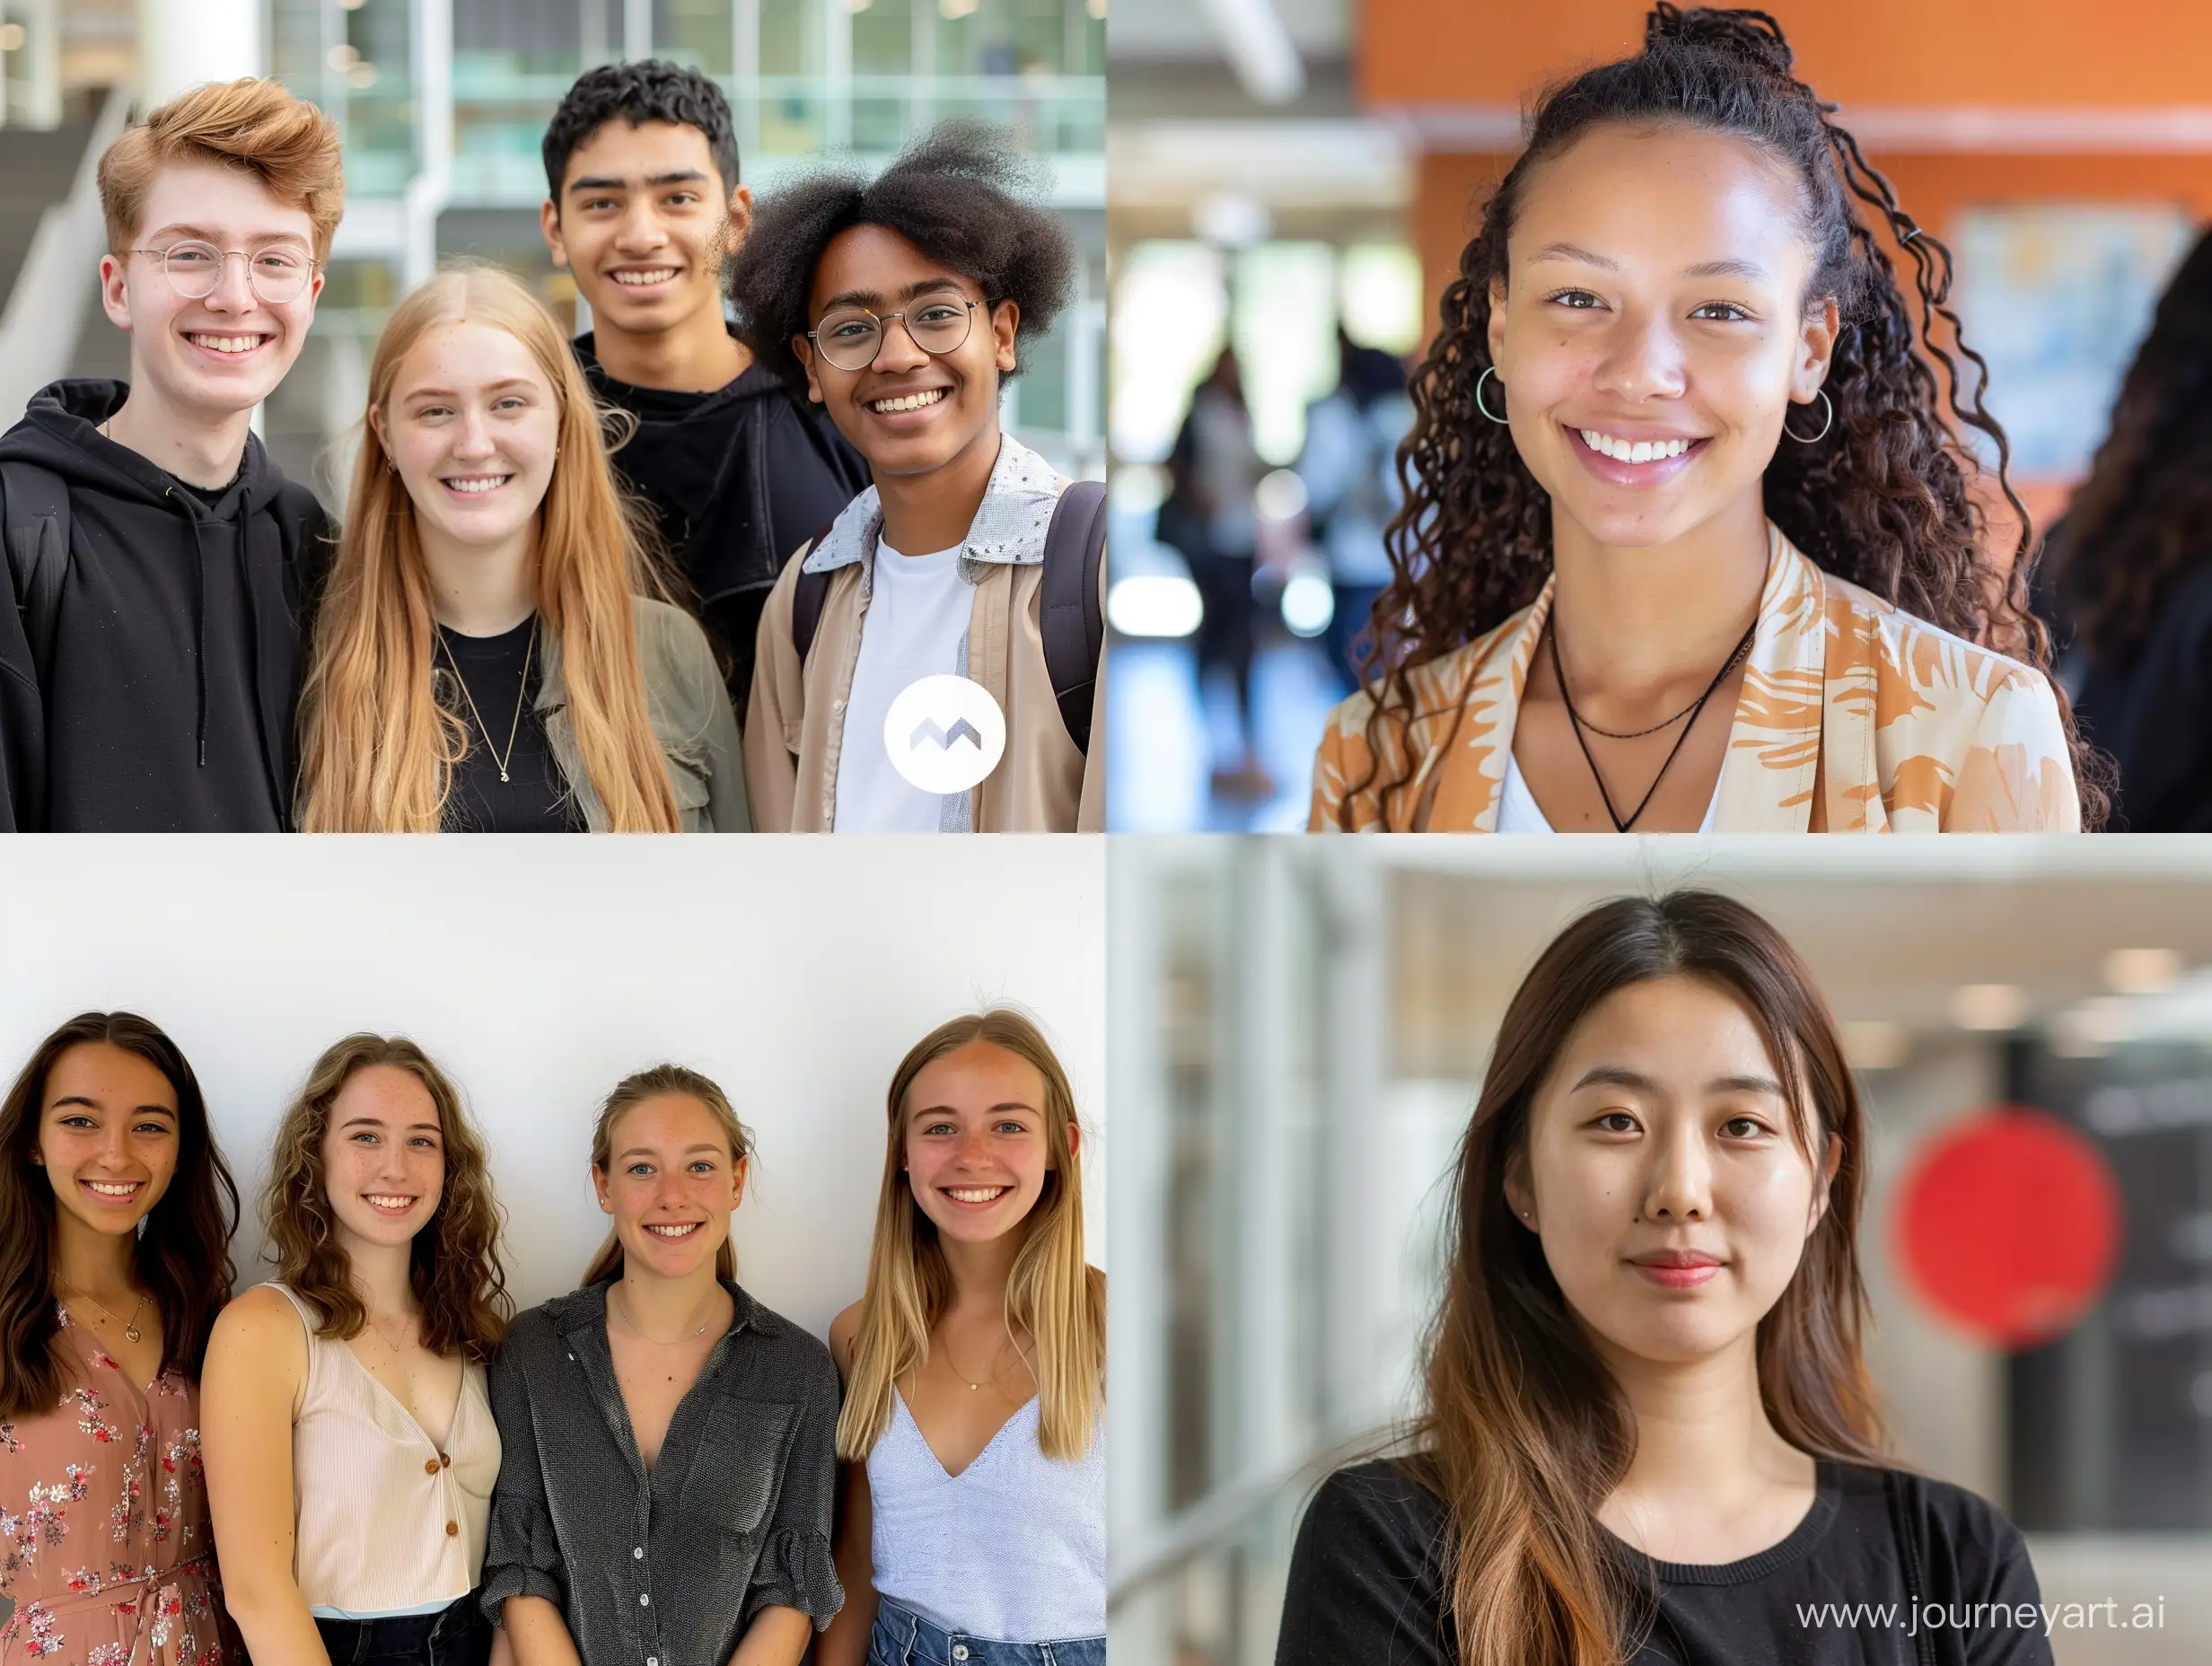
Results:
<point x="520" y="696"/>
<point x="130" y="1325"/>
<point x="629" y="1325"/>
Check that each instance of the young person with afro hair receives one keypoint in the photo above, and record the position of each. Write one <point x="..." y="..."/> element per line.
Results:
<point x="901" y="304"/>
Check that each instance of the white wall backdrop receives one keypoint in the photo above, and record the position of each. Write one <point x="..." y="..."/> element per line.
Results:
<point x="795" y="972"/>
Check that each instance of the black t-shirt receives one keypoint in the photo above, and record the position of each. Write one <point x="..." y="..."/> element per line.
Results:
<point x="533" y="798"/>
<point x="738" y="479"/>
<point x="1366" y="1585"/>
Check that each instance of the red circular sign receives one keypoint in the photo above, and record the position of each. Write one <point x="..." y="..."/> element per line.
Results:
<point x="2008" y="1225"/>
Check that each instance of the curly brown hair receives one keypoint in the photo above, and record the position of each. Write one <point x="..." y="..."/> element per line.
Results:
<point x="455" y="1266"/>
<point x="1885" y="499"/>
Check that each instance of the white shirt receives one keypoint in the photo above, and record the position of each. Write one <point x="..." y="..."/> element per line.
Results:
<point x="915" y="626"/>
<point x="1519" y="812"/>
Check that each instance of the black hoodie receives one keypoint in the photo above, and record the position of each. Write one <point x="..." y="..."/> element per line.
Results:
<point x="166" y="703"/>
<point x="738" y="478"/>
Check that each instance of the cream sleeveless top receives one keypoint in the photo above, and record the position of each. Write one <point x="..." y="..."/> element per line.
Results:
<point x="384" y="1521"/>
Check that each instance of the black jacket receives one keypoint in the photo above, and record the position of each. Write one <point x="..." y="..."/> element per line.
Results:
<point x="738" y="478"/>
<point x="165" y="702"/>
<point x="2153" y="712"/>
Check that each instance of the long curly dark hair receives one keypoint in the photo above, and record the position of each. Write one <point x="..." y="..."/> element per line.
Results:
<point x="1884" y="499"/>
<point x="182" y="1255"/>
<point x="454" y="1264"/>
<point x="2139" y="522"/>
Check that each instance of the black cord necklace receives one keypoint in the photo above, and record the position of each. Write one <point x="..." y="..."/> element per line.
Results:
<point x="1574" y="717"/>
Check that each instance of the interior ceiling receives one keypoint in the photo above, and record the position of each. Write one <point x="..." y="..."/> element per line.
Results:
<point x="1185" y="28"/>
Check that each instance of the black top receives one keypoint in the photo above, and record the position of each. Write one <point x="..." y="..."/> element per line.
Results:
<point x="2153" y="714"/>
<point x="734" y="1518"/>
<point x="534" y="798"/>
<point x="165" y="700"/>
<point x="738" y="479"/>
<point x="1365" y="1583"/>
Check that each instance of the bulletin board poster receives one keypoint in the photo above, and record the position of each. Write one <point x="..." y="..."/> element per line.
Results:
<point x="2058" y="298"/>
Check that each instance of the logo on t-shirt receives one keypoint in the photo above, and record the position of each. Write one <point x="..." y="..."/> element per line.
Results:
<point x="944" y="734"/>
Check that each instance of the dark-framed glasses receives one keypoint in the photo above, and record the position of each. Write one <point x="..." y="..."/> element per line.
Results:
<point x="278" y="274"/>
<point x="849" y="337"/>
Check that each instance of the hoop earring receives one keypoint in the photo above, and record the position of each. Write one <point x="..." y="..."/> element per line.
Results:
<point x="1489" y="371"/>
<point x="1828" y="405"/>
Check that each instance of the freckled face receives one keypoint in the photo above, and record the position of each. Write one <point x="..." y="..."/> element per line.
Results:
<point x="672" y="1185"/>
<point x="472" y="427"/>
<point x="977" y="1149"/>
<point x="1655" y="330"/>
<point x="1662" y="1176"/>
<point x="108" y="1135"/>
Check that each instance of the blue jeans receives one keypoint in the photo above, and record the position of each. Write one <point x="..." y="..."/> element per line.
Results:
<point x="903" y="1637"/>
<point x="459" y="1635"/>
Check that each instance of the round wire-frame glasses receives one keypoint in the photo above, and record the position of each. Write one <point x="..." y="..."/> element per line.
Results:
<point x="849" y="337"/>
<point x="193" y="269"/>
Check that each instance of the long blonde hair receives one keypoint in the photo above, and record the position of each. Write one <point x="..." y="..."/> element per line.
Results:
<point x="1052" y="1292"/>
<point x="662" y="1081"/>
<point x="378" y="751"/>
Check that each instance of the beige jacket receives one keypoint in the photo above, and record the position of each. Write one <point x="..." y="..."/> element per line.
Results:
<point x="1853" y="717"/>
<point x="691" y="718"/>
<point x="795" y="728"/>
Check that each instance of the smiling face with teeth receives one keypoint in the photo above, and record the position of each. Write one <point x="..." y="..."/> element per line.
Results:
<point x="976" y="1152"/>
<point x="213" y="359"/>
<point x="1656" y="332"/>
<point x="926" y="423"/>
<point x="644" y="221"/>
<point x="472" y="425"/>
<point x="108" y="1137"/>
<point x="671" y="1184"/>
<point x="383" y="1158"/>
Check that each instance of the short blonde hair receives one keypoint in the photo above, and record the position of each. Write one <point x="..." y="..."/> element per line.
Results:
<point x="284" y="141"/>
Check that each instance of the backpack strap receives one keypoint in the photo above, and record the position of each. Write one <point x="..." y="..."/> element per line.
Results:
<point x="1070" y="618"/>
<point x="807" y="597"/>
<point x="37" y="512"/>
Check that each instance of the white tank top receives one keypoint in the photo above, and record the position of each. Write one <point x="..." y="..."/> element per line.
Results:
<point x="1011" y="1549"/>
<point x="384" y="1522"/>
<point x="1519" y="812"/>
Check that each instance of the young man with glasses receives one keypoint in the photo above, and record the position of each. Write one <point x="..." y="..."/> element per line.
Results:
<point x="643" y="208"/>
<point x="160" y="562"/>
<point x="959" y="599"/>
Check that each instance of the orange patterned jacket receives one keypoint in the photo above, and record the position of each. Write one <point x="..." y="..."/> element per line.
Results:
<point x="1854" y="718"/>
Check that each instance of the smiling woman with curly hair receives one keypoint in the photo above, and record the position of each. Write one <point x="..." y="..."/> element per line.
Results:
<point x="1691" y="536"/>
<point x="368" y="1525"/>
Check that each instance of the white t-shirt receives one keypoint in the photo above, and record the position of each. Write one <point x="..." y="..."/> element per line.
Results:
<point x="1519" y="812"/>
<point x="918" y="612"/>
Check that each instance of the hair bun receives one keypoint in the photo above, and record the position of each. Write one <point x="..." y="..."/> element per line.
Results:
<point x="1754" y="36"/>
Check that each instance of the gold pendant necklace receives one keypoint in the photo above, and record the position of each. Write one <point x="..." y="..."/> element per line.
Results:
<point x="130" y="1325"/>
<point x="522" y="697"/>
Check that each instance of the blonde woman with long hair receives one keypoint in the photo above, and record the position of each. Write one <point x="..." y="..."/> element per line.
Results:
<point x="350" y="1445"/>
<point x="670" y="1466"/>
<point x="492" y="653"/>
<point x="974" y="1526"/>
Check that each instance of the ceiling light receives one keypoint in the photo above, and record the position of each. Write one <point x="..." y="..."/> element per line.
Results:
<point x="1874" y="1043"/>
<point x="2141" y="971"/>
<point x="1989" y="1006"/>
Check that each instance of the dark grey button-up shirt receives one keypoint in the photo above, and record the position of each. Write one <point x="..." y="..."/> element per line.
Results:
<point x="667" y="1569"/>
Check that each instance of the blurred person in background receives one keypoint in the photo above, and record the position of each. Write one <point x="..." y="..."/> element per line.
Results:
<point x="1350" y="465"/>
<point x="1684" y="496"/>
<point x="972" y="1433"/>
<point x="644" y="206"/>
<point x="2131" y="572"/>
<point x="1648" y="1432"/>
<point x="1210" y="516"/>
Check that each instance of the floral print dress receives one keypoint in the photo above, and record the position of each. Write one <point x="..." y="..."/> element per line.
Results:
<point x="106" y="1555"/>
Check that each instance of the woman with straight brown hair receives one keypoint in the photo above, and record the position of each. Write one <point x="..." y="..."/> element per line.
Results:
<point x="1649" y="1434"/>
<point x="356" y="1534"/>
<point x="116" y="1213"/>
<point x="669" y="1464"/>
<point x="974" y="1527"/>
<point x="493" y="652"/>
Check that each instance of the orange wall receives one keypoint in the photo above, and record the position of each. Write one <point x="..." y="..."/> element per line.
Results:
<point x="2008" y="52"/>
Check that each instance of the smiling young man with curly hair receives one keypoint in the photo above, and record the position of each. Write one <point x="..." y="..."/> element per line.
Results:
<point x="901" y="304"/>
